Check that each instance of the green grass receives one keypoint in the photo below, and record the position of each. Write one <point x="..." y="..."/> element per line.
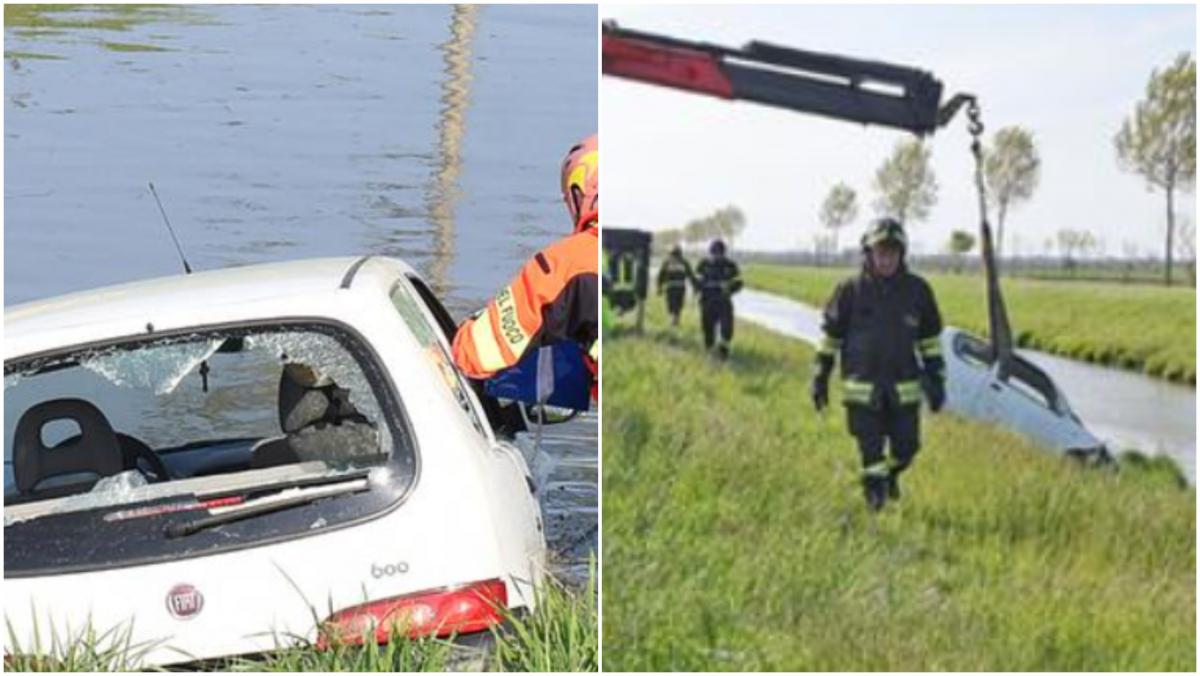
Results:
<point x="400" y="654"/>
<point x="1144" y="328"/>
<point x="89" y="650"/>
<point x="560" y="636"/>
<point x="55" y="18"/>
<point x="32" y="56"/>
<point x="35" y="21"/>
<point x="131" y="47"/>
<point x="735" y="536"/>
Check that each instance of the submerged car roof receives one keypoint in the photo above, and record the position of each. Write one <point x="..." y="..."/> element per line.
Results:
<point x="311" y="286"/>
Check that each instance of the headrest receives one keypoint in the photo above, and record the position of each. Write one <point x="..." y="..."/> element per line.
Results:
<point x="306" y="398"/>
<point x="95" y="449"/>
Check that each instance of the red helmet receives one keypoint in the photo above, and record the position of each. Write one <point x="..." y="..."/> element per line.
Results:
<point x="581" y="182"/>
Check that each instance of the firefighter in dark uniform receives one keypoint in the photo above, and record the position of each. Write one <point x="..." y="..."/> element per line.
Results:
<point x="674" y="276"/>
<point x="717" y="279"/>
<point x="885" y="325"/>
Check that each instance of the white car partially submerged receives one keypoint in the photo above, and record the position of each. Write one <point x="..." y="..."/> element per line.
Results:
<point x="209" y="462"/>
<point x="1009" y="391"/>
<point x="1014" y="393"/>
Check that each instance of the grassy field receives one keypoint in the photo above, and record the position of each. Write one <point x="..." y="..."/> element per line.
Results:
<point x="560" y="636"/>
<point x="1143" y="328"/>
<point x="735" y="536"/>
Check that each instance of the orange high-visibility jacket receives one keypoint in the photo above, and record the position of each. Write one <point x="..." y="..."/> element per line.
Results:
<point x="552" y="298"/>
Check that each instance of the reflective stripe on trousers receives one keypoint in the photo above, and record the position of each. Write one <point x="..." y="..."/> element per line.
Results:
<point x="859" y="392"/>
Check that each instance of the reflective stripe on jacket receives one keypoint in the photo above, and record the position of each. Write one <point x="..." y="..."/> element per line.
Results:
<point x="879" y="327"/>
<point x="674" y="273"/>
<point x="552" y="298"/>
<point x="717" y="278"/>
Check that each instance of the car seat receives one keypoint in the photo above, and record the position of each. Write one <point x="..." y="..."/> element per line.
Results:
<point x="318" y="422"/>
<point x="95" y="450"/>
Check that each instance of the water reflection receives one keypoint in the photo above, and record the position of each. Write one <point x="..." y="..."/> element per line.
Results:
<point x="444" y="190"/>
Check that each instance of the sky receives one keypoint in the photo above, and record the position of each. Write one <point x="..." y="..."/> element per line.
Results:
<point x="1070" y="74"/>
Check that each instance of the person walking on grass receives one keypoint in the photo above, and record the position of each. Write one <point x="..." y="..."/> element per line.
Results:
<point x="674" y="275"/>
<point x="717" y="279"/>
<point x="885" y="325"/>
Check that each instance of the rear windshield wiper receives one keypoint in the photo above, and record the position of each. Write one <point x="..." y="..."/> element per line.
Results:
<point x="284" y="499"/>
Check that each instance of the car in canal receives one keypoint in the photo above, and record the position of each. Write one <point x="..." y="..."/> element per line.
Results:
<point x="217" y="463"/>
<point x="1014" y="393"/>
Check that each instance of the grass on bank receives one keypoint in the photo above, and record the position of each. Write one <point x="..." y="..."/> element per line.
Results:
<point x="560" y="636"/>
<point x="1137" y="327"/>
<point x="735" y="535"/>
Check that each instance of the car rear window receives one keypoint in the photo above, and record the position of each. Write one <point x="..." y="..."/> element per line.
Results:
<point x="141" y="435"/>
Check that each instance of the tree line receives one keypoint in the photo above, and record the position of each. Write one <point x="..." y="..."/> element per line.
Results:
<point x="725" y="223"/>
<point x="1157" y="141"/>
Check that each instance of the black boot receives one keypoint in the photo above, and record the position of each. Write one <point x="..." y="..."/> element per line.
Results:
<point x="875" y="489"/>
<point x="893" y="485"/>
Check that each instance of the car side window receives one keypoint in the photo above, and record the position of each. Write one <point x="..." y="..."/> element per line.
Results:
<point x="973" y="351"/>
<point x="1035" y="384"/>
<point x="427" y="334"/>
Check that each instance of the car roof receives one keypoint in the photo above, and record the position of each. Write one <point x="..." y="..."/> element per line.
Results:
<point x="303" y="287"/>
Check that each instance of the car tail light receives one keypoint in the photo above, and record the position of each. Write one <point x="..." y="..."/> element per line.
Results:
<point x="438" y="612"/>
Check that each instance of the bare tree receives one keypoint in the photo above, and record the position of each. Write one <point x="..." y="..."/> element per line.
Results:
<point x="822" y="246"/>
<point x="1012" y="169"/>
<point x="906" y="184"/>
<point x="1159" y="140"/>
<point x="1074" y="242"/>
<point x="839" y="209"/>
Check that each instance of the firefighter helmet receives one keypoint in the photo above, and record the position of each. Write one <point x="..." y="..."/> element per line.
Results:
<point x="717" y="248"/>
<point x="885" y="230"/>
<point x="581" y="182"/>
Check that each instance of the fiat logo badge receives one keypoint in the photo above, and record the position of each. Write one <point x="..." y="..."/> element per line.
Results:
<point x="184" y="602"/>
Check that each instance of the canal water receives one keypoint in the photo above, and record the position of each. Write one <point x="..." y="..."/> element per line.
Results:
<point x="432" y="133"/>
<point x="565" y="468"/>
<point x="1127" y="410"/>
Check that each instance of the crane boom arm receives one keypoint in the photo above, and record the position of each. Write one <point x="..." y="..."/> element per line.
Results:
<point x="869" y="92"/>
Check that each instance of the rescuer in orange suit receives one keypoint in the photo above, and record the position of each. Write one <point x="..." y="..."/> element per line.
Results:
<point x="554" y="296"/>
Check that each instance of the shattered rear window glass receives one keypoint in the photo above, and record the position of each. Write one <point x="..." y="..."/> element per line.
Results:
<point x="191" y="413"/>
<point x="159" y="369"/>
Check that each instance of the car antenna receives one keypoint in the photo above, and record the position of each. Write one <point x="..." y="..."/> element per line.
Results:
<point x="186" y="268"/>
